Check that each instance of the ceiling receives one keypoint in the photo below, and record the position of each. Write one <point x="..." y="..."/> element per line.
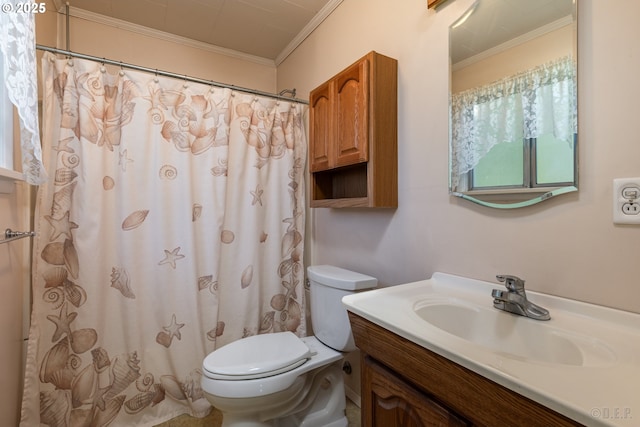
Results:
<point x="268" y="29"/>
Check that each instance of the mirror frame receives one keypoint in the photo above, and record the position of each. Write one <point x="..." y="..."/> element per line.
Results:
<point x="512" y="198"/>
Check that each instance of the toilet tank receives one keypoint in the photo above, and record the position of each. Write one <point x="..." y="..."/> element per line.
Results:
<point x="328" y="284"/>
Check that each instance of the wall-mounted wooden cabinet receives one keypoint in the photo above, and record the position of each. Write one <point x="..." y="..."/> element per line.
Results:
<point x="353" y="136"/>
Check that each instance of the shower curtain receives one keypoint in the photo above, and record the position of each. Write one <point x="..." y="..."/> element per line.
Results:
<point x="172" y="224"/>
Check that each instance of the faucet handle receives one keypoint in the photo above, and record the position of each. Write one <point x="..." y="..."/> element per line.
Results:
<point x="513" y="283"/>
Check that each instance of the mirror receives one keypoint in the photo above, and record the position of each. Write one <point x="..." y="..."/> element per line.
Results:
<point x="513" y="103"/>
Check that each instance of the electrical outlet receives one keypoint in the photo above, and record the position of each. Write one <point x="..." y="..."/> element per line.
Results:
<point x="626" y="201"/>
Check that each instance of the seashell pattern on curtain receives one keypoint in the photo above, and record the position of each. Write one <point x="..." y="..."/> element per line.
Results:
<point x="172" y="224"/>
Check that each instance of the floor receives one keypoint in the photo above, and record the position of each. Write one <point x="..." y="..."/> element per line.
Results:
<point x="215" y="419"/>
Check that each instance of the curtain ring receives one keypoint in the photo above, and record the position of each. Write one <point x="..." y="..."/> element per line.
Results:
<point x="103" y="68"/>
<point x="155" y="79"/>
<point x="121" y="69"/>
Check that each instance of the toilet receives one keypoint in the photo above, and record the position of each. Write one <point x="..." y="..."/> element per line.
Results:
<point x="281" y="380"/>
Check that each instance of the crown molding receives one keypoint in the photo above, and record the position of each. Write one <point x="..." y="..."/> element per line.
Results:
<point x="308" y="29"/>
<point x="552" y="26"/>
<point x="160" y="35"/>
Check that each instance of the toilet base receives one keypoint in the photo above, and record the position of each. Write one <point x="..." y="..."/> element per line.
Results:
<point x="318" y="400"/>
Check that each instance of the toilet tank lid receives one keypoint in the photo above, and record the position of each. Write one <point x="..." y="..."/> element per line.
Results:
<point x="340" y="278"/>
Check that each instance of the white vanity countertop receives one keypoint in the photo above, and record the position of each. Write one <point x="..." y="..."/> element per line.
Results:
<point x="595" y="382"/>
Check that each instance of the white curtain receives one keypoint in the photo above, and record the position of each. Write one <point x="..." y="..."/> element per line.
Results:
<point x="540" y="101"/>
<point x="173" y="224"/>
<point x="17" y="45"/>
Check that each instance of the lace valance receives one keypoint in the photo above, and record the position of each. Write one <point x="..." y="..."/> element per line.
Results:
<point x="17" y="43"/>
<point x="540" y="101"/>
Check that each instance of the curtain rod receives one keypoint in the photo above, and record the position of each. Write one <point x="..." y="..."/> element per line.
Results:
<point x="174" y="75"/>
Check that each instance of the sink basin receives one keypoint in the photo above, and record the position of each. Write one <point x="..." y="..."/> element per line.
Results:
<point x="583" y="363"/>
<point x="514" y="336"/>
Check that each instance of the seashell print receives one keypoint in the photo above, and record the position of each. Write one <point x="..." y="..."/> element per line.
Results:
<point x="134" y="220"/>
<point x="64" y="176"/>
<point x="62" y="378"/>
<point x="168" y="172"/>
<point x="279" y="302"/>
<point x="120" y="281"/>
<point x="216" y="332"/>
<point x="191" y="385"/>
<point x="144" y="399"/>
<point x="108" y="183"/>
<point x="54" y="277"/>
<point x="205" y="281"/>
<point x="74" y="293"/>
<point x="54" y="360"/>
<point x="104" y="417"/>
<point x="54" y="296"/>
<point x="138" y="402"/>
<point x="196" y="211"/>
<point x="267" y="322"/>
<point x="62" y="200"/>
<point x="63" y="145"/>
<point x="164" y="339"/>
<point x="172" y="387"/>
<point x="100" y="359"/>
<point x="71" y="258"/>
<point x="219" y="171"/>
<point x="54" y="408"/>
<point x="70" y="160"/>
<point x="227" y="236"/>
<point x="247" y="275"/>
<point x="83" y="339"/>
<point x="172" y="133"/>
<point x="292" y="316"/>
<point x="145" y="382"/>
<point x="263" y="237"/>
<point x="53" y="253"/>
<point x="290" y="240"/>
<point x="124" y="371"/>
<point x="84" y="386"/>
<point x="285" y="267"/>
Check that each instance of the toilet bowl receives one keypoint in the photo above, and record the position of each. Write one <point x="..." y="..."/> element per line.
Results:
<point x="281" y="380"/>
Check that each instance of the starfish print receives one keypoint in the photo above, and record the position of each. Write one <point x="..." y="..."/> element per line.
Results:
<point x="171" y="257"/>
<point x="174" y="328"/>
<point x="124" y="159"/>
<point x="257" y="195"/>
<point x="62" y="323"/>
<point x="61" y="226"/>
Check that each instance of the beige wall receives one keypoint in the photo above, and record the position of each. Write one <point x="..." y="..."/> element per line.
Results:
<point x="14" y="279"/>
<point x="566" y="246"/>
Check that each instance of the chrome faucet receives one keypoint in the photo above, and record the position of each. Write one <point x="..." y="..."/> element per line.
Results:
<point x="514" y="300"/>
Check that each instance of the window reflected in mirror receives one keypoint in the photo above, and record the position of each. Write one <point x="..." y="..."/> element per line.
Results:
<point x="513" y="112"/>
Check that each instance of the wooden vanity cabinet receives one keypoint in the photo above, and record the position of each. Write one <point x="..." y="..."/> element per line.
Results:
<point x="353" y="136"/>
<point x="406" y="385"/>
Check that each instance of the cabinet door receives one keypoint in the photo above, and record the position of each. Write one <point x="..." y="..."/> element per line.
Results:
<point x="321" y="129"/>
<point x="389" y="401"/>
<point x="351" y="105"/>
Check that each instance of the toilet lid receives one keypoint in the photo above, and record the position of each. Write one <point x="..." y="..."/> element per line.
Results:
<point x="257" y="356"/>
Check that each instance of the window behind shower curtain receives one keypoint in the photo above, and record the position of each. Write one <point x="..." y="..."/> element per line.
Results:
<point x="6" y="125"/>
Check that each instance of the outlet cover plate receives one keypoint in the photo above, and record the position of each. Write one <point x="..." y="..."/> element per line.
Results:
<point x="626" y="201"/>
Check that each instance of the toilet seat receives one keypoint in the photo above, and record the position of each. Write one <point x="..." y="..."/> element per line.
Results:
<point x="258" y="356"/>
